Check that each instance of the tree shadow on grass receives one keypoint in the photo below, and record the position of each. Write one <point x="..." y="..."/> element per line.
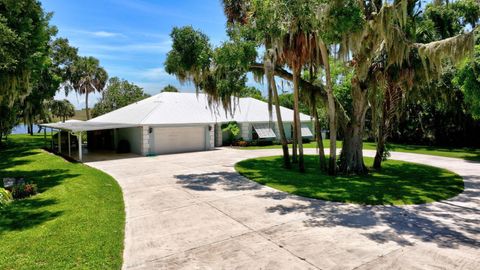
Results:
<point x="27" y="213"/>
<point x="45" y="179"/>
<point x="397" y="183"/>
<point x="11" y="158"/>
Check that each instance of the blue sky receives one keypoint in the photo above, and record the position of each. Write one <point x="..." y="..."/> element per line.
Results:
<point x="131" y="38"/>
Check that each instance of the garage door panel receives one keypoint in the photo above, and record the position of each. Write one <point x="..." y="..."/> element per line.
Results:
<point x="179" y="139"/>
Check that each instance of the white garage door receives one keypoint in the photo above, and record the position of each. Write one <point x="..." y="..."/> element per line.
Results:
<point x="178" y="139"/>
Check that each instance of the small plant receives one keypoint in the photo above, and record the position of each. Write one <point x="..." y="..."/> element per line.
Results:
<point x="233" y="130"/>
<point x="5" y="197"/>
<point x="24" y="190"/>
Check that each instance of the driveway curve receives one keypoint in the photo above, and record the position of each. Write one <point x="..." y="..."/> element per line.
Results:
<point x="193" y="211"/>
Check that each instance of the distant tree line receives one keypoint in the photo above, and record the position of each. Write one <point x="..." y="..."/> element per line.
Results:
<point x="35" y="64"/>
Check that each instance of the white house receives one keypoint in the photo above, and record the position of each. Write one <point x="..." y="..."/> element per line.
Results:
<point x="179" y="122"/>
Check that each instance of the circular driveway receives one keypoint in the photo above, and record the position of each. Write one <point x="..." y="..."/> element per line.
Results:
<point x="193" y="211"/>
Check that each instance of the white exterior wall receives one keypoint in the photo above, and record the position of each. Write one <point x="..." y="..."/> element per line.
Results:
<point x="145" y="141"/>
<point x="134" y="136"/>
<point x="287" y="126"/>
<point x="211" y="137"/>
<point x="246" y="131"/>
<point x="219" y="135"/>
<point x="288" y="130"/>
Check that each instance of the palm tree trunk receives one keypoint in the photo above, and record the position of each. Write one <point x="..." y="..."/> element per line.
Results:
<point x="332" y="168"/>
<point x="281" y="129"/>
<point x="318" y="137"/>
<point x="298" y="130"/>
<point x="294" y="140"/>
<point x="377" y="163"/>
<point x="86" y="105"/>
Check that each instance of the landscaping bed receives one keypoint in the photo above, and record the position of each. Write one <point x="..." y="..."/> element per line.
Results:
<point x="398" y="183"/>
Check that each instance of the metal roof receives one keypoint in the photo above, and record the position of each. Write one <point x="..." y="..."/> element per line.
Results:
<point x="189" y="108"/>
<point x="264" y="131"/>
<point x="178" y="109"/>
<point x="306" y="132"/>
<point x="79" y="126"/>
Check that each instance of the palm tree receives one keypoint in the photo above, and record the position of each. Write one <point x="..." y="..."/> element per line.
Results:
<point x="270" y="62"/>
<point x="88" y="77"/>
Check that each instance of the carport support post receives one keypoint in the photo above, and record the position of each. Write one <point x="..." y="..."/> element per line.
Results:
<point x="69" y="147"/>
<point x="59" y="141"/>
<point x="79" y="146"/>
<point x="45" y="137"/>
<point x="51" y="139"/>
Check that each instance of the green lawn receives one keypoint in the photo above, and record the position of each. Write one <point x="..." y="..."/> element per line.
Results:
<point x="463" y="153"/>
<point x="75" y="222"/>
<point x="398" y="183"/>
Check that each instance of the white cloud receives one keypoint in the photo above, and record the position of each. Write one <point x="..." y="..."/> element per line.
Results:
<point x="163" y="46"/>
<point x="99" y="33"/>
<point x="106" y="34"/>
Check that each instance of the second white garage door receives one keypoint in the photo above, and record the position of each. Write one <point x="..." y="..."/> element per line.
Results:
<point x="179" y="139"/>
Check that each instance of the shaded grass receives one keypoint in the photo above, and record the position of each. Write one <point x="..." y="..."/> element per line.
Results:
<point x="75" y="222"/>
<point x="398" y="183"/>
<point x="472" y="154"/>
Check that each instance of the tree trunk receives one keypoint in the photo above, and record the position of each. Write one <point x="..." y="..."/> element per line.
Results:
<point x="377" y="163"/>
<point x="381" y="137"/>
<point x="332" y="167"/>
<point x="86" y="105"/>
<point x="390" y="105"/>
<point x="351" y="159"/>
<point x="318" y="137"/>
<point x="294" y="141"/>
<point x="30" y="128"/>
<point x="296" y="77"/>
<point x="281" y="129"/>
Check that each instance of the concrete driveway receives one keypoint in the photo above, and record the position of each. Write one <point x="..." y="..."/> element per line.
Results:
<point x="192" y="211"/>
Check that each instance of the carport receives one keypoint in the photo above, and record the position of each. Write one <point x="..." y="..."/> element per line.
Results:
<point x="78" y="129"/>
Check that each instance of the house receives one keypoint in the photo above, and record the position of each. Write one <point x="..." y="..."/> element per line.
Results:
<point x="178" y="122"/>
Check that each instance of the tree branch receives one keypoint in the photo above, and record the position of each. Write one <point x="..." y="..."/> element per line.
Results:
<point x="307" y="86"/>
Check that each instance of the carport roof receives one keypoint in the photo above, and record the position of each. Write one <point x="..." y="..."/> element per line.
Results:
<point x="79" y="126"/>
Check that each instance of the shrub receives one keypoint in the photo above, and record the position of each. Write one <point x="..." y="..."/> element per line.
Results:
<point x="24" y="190"/>
<point x="242" y="143"/>
<point x="233" y="130"/>
<point x="5" y="197"/>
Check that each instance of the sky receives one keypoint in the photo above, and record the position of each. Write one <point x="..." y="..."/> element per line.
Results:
<point x="131" y="38"/>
